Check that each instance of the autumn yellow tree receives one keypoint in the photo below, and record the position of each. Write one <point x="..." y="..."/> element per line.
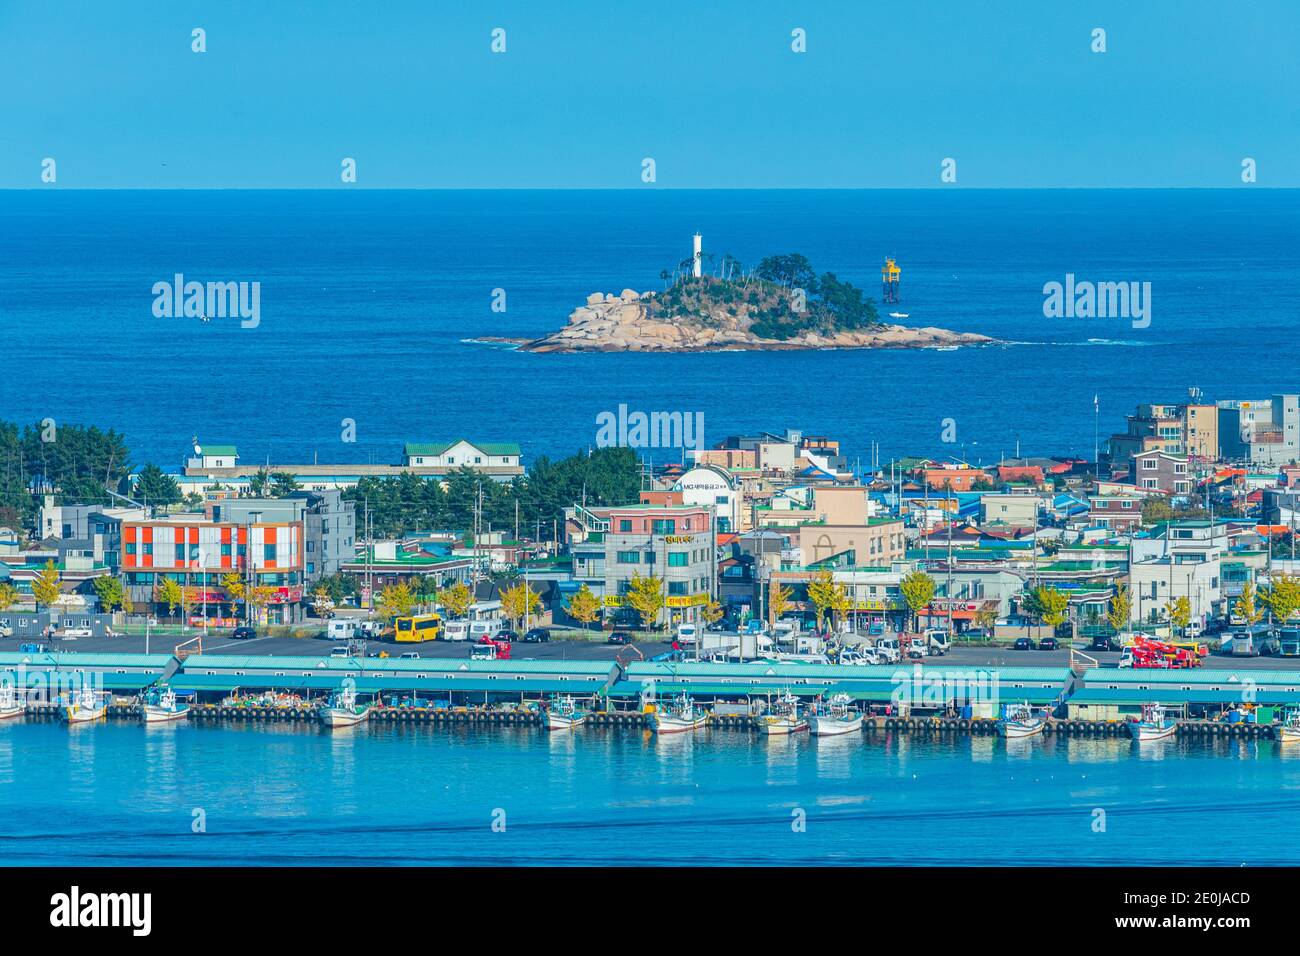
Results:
<point x="917" y="588"/>
<point x="1120" y="609"/>
<point x="8" y="596"/>
<point x="821" y="592"/>
<point x="1180" y="613"/>
<point x="456" y="600"/>
<point x="171" y="594"/>
<point x="1246" y="606"/>
<point x="395" y="600"/>
<point x="645" y="595"/>
<point x="45" y="587"/>
<point x="1282" y="597"/>
<point x="583" y="606"/>
<point x="234" y="586"/>
<point x="712" y="612"/>
<point x="778" y="601"/>
<point x="518" y="601"/>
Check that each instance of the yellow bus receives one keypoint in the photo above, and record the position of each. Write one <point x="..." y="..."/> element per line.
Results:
<point x="417" y="628"/>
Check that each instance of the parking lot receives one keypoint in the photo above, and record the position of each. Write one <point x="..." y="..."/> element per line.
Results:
<point x="593" y="649"/>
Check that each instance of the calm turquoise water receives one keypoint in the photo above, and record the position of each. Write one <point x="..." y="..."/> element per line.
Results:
<point x="123" y="794"/>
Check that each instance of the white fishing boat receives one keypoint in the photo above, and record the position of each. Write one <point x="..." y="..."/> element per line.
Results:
<point x="160" y="705"/>
<point x="11" y="705"/>
<point x="1155" y="724"/>
<point x="834" y="717"/>
<point x="84" y="706"/>
<point x="1021" y="720"/>
<point x="342" y="709"/>
<point x="562" y="713"/>
<point x="898" y="315"/>
<point x="678" y="716"/>
<point x="1288" y="731"/>
<point x="783" y="718"/>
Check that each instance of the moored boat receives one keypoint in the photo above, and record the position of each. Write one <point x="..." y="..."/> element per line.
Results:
<point x="784" y="717"/>
<point x="161" y="705"/>
<point x="678" y="716"/>
<point x="1288" y="731"/>
<point x="834" y="717"/>
<point x="343" y="710"/>
<point x="11" y="705"/>
<point x="1155" y="724"/>
<point x="1021" y="720"/>
<point x="84" y="706"/>
<point x="562" y="713"/>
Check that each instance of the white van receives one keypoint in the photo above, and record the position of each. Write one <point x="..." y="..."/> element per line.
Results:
<point x="343" y="629"/>
<point x="687" y="633"/>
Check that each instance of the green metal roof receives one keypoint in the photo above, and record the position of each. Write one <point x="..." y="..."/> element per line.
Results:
<point x="223" y="451"/>
<point x="1170" y="695"/>
<point x="1225" y="677"/>
<point x="433" y="449"/>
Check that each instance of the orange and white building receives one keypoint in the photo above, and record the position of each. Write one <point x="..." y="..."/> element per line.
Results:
<point x="198" y="554"/>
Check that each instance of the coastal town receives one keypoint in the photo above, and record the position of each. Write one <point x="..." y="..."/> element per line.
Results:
<point x="1172" y="557"/>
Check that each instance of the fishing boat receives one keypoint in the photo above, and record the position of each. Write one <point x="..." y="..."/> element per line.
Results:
<point x="562" y="713"/>
<point x="1021" y="720"/>
<point x="783" y="717"/>
<point x="84" y="706"/>
<point x="11" y="705"/>
<point x="678" y="716"/>
<point x="1288" y="731"/>
<point x="835" y="716"/>
<point x="342" y="709"/>
<point x="1155" y="724"/>
<point x="160" y="705"/>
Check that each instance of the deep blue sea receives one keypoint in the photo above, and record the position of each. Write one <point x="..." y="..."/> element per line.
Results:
<point x="371" y="301"/>
<point x="114" y="794"/>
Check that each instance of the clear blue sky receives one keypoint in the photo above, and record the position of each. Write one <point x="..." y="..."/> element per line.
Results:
<point x="711" y="91"/>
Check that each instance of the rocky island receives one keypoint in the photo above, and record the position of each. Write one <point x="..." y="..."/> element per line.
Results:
<point x="780" y="304"/>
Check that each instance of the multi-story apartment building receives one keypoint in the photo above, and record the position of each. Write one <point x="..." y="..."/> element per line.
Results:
<point x="198" y="553"/>
<point x="1187" y="429"/>
<point x="1263" y="432"/>
<point x="329" y="526"/>
<point x="675" y="543"/>
<point x="1158" y="471"/>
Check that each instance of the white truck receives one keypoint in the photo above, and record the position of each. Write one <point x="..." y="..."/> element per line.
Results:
<point x="734" y="646"/>
<point x="887" y="650"/>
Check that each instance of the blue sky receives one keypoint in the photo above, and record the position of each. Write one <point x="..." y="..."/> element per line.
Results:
<point x="586" y="90"/>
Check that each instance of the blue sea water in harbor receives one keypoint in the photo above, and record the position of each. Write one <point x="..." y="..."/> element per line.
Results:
<point x="371" y="302"/>
<point x="120" y="793"/>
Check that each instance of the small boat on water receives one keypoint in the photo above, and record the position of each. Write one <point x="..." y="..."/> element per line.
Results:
<point x="783" y="718"/>
<point x="343" y="710"/>
<point x="898" y="315"/>
<point x="562" y="713"/>
<point x="84" y="706"/>
<point x="678" y="716"/>
<point x="1288" y="731"/>
<point x="1021" y="720"/>
<point x="1155" y="724"/>
<point x="11" y="705"/>
<point x="161" y="705"/>
<point x="835" y="716"/>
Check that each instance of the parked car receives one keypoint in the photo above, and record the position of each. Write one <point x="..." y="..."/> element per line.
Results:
<point x="1022" y="644"/>
<point x="621" y="637"/>
<point x="537" y="635"/>
<point x="508" y="636"/>
<point x="244" y="634"/>
<point x="1049" y="644"/>
<point x="1105" y="642"/>
<point x="340" y="650"/>
<point x="6" y="630"/>
<point x="409" y="656"/>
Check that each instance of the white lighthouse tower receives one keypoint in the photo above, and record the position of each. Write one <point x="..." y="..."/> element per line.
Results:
<point x="699" y="254"/>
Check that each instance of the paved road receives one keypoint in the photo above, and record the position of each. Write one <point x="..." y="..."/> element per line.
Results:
<point x="597" y="650"/>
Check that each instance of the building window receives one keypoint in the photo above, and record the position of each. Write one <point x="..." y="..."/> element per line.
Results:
<point x="677" y="587"/>
<point x="268" y="552"/>
<point x="624" y="524"/>
<point x="629" y="557"/>
<point x="678" y="559"/>
<point x="664" y="526"/>
<point x="180" y="553"/>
